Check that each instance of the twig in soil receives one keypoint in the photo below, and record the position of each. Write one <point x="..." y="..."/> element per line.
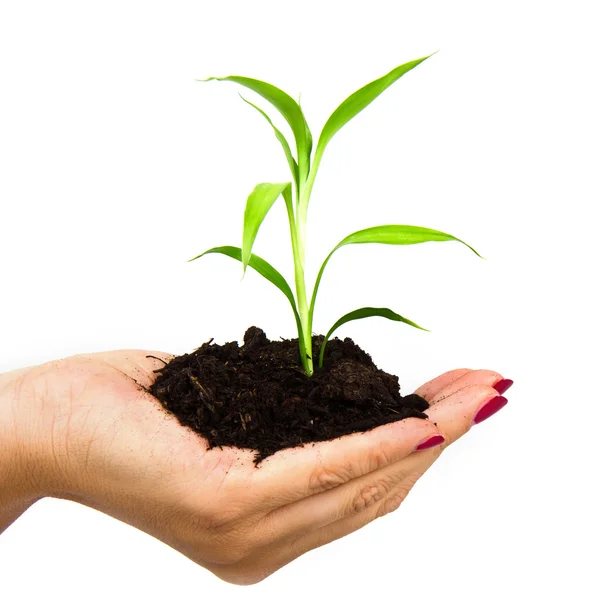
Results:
<point x="203" y="392"/>
<point x="156" y="357"/>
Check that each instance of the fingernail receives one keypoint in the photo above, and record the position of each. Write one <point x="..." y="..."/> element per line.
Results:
<point x="491" y="407"/>
<point x="434" y="440"/>
<point x="503" y="385"/>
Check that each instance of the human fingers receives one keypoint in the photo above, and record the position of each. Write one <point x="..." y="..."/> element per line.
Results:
<point x="368" y="497"/>
<point x="431" y="388"/>
<point x="266" y="559"/>
<point x="296" y="473"/>
<point x="453" y="415"/>
<point x="478" y="376"/>
<point x="302" y="474"/>
<point x="348" y="499"/>
<point x="453" y="419"/>
<point x="456" y="413"/>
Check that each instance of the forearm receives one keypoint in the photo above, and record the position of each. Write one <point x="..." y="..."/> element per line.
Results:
<point x="17" y="491"/>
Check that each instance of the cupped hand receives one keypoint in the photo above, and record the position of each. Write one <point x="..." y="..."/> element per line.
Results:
<point x="105" y="442"/>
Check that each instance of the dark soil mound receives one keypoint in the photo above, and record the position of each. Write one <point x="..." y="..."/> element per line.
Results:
<point x="257" y="396"/>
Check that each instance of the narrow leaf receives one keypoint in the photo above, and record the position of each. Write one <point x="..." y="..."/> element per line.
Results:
<point x="358" y="101"/>
<point x="400" y="235"/>
<point x="289" y="109"/>
<point x="258" y="205"/>
<point x="271" y="274"/>
<point x="344" y="113"/>
<point x="309" y="138"/>
<point x="363" y="313"/>
<point x="284" y="143"/>
<point x="258" y="264"/>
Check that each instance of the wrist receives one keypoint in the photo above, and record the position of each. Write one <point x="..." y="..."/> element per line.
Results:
<point x="28" y="448"/>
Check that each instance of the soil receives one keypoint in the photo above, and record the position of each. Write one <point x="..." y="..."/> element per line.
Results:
<point x="257" y="396"/>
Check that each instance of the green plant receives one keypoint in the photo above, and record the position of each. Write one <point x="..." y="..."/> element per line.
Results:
<point x="304" y="170"/>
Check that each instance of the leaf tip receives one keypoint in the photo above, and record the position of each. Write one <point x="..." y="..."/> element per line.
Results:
<point x="469" y="247"/>
<point x="429" y="55"/>
<point x="480" y="256"/>
<point x="208" y="79"/>
<point x="247" y="101"/>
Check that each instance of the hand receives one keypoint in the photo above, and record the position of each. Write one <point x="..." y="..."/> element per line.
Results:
<point x="97" y="437"/>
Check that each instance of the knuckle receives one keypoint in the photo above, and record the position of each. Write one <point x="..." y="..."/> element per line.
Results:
<point x="325" y="478"/>
<point x="373" y="492"/>
<point x="367" y="496"/>
<point x="381" y="456"/>
<point x="397" y="495"/>
<point x="393" y="501"/>
<point x="477" y="389"/>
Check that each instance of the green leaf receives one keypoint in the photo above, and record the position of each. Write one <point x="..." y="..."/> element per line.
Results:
<point x="345" y="112"/>
<point x="271" y="274"/>
<point x="258" y="205"/>
<point x="309" y="138"/>
<point x="289" y="109"/>
<point x="400" y="235"/>
<point x="363" y="313"/>
<point x="258" y="264"/>
<point x="358" y="101"/>
<point x="284" y="143"/>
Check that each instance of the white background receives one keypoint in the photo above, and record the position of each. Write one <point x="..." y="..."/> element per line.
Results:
<point x="116" y="166"/>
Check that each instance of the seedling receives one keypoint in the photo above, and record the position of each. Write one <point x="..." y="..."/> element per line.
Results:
<point x="296" y="193"/>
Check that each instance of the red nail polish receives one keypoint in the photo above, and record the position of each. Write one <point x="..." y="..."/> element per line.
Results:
<point x="491" y="407"/>
<point x="503" y="385"/>
<point x="434" y="440"/>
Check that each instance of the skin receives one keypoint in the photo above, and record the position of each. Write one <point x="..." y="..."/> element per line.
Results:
<point x="84" y="429"/>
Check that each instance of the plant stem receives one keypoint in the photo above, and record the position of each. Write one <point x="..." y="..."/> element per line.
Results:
<point x="304" y="334"/>
<point x="304" y="317"/>
<point x="306" y="182"/>
<point x="306" y="190"/>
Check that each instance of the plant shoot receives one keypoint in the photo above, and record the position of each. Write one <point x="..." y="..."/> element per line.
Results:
<point x="304" y="166"/>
